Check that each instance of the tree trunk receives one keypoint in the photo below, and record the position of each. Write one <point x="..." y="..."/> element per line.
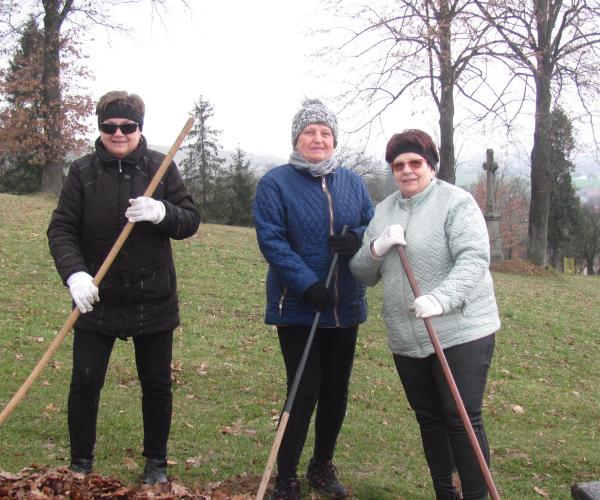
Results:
<point x="590" y="266"/>
<point x="51" y="97"/>
<point x="539" y="207"/>
<point x="447" y="170"/>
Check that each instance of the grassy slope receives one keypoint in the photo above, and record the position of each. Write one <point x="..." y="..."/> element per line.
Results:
<point x="230" y="380"/>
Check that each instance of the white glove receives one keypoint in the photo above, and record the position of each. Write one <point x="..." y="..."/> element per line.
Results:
<point x="391" y="236"/>
<point x="426" y="306"/>
<point x="145" y="209"/>
<point x="83" y="290"/>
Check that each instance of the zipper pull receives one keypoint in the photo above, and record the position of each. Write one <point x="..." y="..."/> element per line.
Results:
<point x="120" y="169"/>
<point x="323" y="184"/>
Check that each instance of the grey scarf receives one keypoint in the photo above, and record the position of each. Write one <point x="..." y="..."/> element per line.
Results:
<point x="315" y="169"/>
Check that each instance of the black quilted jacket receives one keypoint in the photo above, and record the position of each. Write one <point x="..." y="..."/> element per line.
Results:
<point x="138" y="295"/>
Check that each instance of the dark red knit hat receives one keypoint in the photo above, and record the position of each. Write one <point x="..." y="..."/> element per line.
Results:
<point x="412" y="141"/>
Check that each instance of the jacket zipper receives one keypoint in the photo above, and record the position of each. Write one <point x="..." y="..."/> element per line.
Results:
<point x="331" y="233"/>
<point x="281" y="300"/>
<point x="406" y="289"/>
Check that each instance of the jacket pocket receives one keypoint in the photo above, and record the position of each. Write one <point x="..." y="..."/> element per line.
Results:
<point x="149" y="283"/>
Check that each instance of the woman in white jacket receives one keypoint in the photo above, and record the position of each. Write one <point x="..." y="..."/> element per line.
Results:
<point x="448" y="247"/>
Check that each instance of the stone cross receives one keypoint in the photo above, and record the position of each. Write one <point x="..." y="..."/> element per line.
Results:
<point x="490" y="167"/>
<point x="492" y="215"/>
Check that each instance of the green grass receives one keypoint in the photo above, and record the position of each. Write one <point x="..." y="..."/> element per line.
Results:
<point x="229" y="377"/>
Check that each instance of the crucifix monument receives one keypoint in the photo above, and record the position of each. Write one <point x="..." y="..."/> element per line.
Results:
<point x="492" y="215"/>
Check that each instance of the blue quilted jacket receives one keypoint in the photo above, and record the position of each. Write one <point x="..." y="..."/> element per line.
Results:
<point x="294" y="214"/>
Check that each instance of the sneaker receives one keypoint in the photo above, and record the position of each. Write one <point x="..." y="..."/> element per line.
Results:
<point x="155" y="471"/>
<point x="323" y="478"/>
<point x="81" y="465"/>
<point x="286" y="488"/>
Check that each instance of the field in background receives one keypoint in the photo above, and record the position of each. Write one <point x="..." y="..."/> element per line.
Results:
<point x="542" y="406"/>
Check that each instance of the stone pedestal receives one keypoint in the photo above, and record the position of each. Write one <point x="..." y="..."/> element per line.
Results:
<point x="586" y="491"/>
<point x="493" y="226"/>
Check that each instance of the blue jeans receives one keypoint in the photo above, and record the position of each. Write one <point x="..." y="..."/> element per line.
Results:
<point x="445" y="440"/>
<point x="91" y="353"/>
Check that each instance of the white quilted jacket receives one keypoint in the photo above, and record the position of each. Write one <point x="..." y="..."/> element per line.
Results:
<point x="448" y="249"/>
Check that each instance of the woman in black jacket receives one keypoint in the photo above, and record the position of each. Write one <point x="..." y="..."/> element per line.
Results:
<point x="138" y="296"/>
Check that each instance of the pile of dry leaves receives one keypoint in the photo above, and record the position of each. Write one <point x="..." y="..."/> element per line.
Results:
<point x="519" y="266"/>
<point x="41" y="482"/>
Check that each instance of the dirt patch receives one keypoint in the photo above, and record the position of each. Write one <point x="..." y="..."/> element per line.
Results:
<point x="519" y="266"/>
<point x="41" y="482"/>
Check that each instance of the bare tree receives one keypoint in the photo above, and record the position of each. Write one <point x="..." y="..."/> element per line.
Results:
<point x="359" y="161"/>
<point x="55" y="15"/>
<point x="397" y="48"/>
<point x="23" y="117"/>
<point x="552" y="46"/>
<point x="376" y="174"/>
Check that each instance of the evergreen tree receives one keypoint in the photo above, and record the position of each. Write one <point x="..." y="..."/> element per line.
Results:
<point x="242" y="187"/>
<point x="202" y="167"/>
<point x="589" y="243"/>
<point x="564" y="221"/>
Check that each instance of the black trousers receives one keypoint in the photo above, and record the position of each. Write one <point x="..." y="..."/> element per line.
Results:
<point x="445" y="440"/>
<point x="91" y="353"/>
<point x="325" y="380"/>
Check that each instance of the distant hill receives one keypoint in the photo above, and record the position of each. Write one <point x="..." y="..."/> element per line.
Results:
<point x="586" y="177"/>
<point x="258" y="163"/>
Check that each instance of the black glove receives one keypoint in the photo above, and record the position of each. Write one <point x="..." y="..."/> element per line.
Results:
<point x="344" y="244"/>
<point x="318" y="296"/>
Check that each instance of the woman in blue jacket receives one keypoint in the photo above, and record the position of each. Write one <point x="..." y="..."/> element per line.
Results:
<point x="299" y="211"/>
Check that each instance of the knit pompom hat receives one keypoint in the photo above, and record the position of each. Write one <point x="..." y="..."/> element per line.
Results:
<point x="314" y="111"/>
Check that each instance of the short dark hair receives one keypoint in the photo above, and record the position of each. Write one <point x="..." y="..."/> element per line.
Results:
<point x="131" y="104"/>
<point x="413" y="140"/>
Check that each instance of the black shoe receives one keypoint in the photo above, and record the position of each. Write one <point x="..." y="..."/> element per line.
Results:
<point x="155" y="471"/>
<point x="286" y="488"/>
<point x="81" y="465"/>
<point x="323" y="478"/>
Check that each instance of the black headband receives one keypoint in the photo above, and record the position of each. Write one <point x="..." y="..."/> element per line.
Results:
<point x="120" y="109"/>
<point x="397" y="147"/>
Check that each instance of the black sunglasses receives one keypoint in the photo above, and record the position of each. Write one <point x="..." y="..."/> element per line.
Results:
<point x="111" y="128"/>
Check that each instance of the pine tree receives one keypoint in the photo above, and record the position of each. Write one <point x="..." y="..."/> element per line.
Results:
<point x="564" y="220"/>
<point x="202" y="166"/>
<point x="242" y="187"/>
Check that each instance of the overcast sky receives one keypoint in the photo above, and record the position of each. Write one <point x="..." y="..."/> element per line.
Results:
<point x="250" y="59"/>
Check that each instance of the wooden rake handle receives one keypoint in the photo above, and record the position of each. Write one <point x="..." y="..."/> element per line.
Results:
<point x="489" y="481"/>
<point x="98" y="278"/>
